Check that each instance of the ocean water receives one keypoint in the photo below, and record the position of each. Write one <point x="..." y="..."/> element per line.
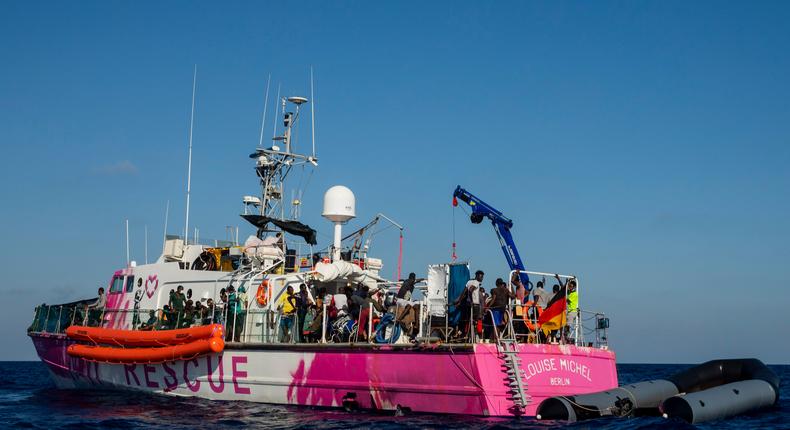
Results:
<point x="28" y="399"/>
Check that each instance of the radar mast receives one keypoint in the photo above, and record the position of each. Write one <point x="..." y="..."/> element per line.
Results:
<point x="275" y="163"/>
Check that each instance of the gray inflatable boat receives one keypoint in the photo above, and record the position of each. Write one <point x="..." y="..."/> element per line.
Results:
<point x="710" y="391"/>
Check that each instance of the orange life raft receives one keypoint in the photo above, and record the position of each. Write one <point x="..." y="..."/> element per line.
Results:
<point x="136" y="338"/>
<point x="147" y="355"/>
<point x="133" y="346"/>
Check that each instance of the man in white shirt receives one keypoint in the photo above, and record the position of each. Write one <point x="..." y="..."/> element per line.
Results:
<point x="541" y="296"/>
<point x="473" y="288"/>
<point x="96" y="309"/>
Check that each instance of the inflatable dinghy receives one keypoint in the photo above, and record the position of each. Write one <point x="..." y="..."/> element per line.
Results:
<point x="710" y="391"/>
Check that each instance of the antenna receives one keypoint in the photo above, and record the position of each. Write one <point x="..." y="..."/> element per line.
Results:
<point x="265" y="105"/>
<point x="146" y="244"/>
<point x="276" y="112"/>
<point x="164" y="232"/>
<point x="189" y="165"/>
<point x="127" y="241"/>
<point x="312" y="109"/>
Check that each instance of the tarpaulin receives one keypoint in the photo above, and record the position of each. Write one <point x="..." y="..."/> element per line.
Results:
<point x="459" y="276"/>
<point x="294" y="227"/>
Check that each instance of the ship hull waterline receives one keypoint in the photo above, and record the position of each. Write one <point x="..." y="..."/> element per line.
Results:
<point x="458" y="379"/>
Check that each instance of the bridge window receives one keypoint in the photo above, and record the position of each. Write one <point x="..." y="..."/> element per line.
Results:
<point x="129" y="283"/>
<point x="117" y="285"/>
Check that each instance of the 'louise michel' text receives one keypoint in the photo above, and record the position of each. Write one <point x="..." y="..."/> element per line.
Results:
<point x="557" y="365"/>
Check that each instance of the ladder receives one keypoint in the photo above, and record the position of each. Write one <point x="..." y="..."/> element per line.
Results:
<point x="508" y="349"/>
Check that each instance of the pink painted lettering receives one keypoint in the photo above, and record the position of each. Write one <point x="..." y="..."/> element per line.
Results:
<point x="148" y="382"/>
<point x="236" y="373"/>
<point x="216" y="388"/>
<point x="129" y="369"/>
<point x="193" y="387"/>
<point x="170" y="384"/>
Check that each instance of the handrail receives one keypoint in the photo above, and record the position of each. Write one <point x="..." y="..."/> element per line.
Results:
<point x="493" y="324"/>
<point x="252" y="324"/>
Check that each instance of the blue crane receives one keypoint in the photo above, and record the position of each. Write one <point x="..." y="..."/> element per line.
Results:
<point x="502" y="226"/>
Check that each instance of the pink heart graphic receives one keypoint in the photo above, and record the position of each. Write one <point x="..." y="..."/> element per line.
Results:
<point x="152" y="281"/>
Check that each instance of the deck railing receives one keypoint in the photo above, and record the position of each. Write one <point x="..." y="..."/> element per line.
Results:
<point x="267" y="326"/>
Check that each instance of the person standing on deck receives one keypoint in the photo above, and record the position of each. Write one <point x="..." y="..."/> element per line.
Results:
<point x="210" y="315"/>
<point x="473" y="298"/>
<point x="220" y="311"/>
<point x="573" y="307"/>
<point x="361" y="302"/>
<point x="177" y="302"/>
<point x="241" y="313"/>
<point x="521" y="290"/>
<point x="318" y="320"/>
<point x="475" y="287"/>
<point x="498" y="303"/>
<point x="138" y="297"/>
<point x="407" y="286"/>
<point x="286" y="305"/>
<point x="96" y="309"/>
<point x="541" y="296"/>
<point x="303" y="303"/>
<point x="230" y="328"/>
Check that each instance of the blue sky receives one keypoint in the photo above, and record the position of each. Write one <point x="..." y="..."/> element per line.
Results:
<point x="640" y="145"/>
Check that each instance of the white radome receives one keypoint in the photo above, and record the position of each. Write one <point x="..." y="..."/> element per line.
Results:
<point x="339" y="204"/>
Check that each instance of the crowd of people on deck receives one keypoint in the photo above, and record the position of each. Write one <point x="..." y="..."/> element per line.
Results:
<point x="181" y="311"/>
<point x="481" y="315"/>
<point x="484" y="316"/>
<point x="300" y="313"/>
<point x="350" y="314"/>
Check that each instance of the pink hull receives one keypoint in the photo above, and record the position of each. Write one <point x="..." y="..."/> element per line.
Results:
<point x="460" y="380"/>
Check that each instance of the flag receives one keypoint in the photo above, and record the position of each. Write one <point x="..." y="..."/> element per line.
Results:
<point x="553" y="317"/>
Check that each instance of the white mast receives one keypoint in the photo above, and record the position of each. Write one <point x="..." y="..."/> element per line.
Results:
<point x="146" y="243"/>
<point x="189" y="165"/>
<point x="265" y="105"/>
<point x="312" y="110"/>
<point x="164" y="232"/>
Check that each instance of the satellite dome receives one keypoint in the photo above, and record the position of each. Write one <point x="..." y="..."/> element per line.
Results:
<point x="339" y="204"/>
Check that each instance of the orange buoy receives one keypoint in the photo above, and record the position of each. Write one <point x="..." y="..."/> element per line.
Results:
<point x="144" y="338"/>
<point x="147" y="355"/>
<point x="263" y="294"/>
<point x="538" y="311"/>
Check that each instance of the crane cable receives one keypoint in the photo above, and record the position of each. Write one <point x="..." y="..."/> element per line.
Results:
<point x="455" y="205"/>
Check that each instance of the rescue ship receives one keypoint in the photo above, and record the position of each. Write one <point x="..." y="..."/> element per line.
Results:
<point x="422" y="355"/>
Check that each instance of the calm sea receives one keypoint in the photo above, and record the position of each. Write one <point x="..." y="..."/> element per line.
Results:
<point x="28" y="399"/>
